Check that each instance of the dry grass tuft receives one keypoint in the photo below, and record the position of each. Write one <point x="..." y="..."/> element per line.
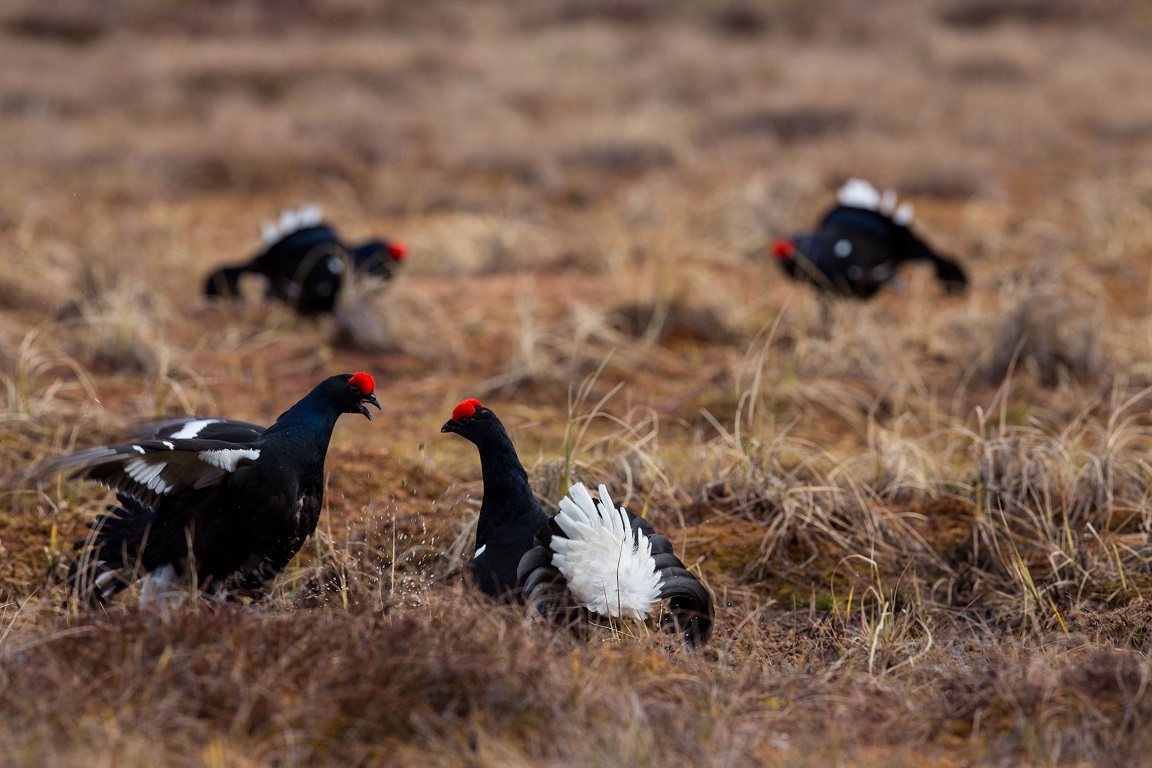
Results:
<point x="981" y="14"/>
<point x="1052" y="330"/>
<point x="622" y="158"/>
<point x="376" y="317"/>
<point x="677" y="321"/>
<point x="798" y="124"/>
<point x="116" y="326"/>
<point x="65" y="23"/>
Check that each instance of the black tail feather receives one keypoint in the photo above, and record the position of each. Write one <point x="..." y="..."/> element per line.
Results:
<point x="543" y="588"/>
<point x="690" y="609"/>
<point x="224" y="283"/>
<point x="689" y="606"/>
<point x="951" y="274"/>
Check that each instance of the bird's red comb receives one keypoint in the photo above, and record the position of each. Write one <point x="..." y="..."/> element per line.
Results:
<point x="466" y="409"/>
<point x="363" y="381"/>
<point x="784" y="249"/>
<point x="398" y="250"/>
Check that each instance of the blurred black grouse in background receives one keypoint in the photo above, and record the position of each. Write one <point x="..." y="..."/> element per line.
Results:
<point x="592" y="553"/>
<point x="304" y="262"/>
<point x="217" y="504"/>
<point x="860" y="244"/>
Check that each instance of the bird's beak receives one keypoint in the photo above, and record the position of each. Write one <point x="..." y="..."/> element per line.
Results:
<point x="369" y="399"/>
<point x="449" y="426"/>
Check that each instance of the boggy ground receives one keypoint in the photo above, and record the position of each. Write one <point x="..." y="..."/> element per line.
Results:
<point x="925" y="520"/>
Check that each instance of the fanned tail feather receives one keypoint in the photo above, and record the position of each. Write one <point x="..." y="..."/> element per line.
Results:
<point x="690" y="609"/>
<point x="607" y="563"/>
<point x="544" y="588"/>
<point x="589" y="548"/>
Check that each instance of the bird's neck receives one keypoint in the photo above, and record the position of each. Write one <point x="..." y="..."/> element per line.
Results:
<point x="310" y="419"/>
<point x="507" y="495"/>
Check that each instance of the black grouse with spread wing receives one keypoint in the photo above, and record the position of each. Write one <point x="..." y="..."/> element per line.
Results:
<point x="223" y="505"/>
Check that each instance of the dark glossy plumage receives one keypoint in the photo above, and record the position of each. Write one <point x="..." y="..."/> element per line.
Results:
<point x="510" y="516"/>
<point x="226" y="503"/>
<point x="518" y="556"/>
<point x="859" y="245"/>
<point x="304" y="262"/>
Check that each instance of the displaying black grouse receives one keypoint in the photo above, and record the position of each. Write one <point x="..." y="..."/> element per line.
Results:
<point x="219" y="504"/>
<point x="304" y="261"/>
<point x="608" y="560"/>
<point x="860" y="244"/>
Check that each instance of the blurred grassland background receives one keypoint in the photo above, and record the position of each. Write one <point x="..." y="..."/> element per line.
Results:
<point x="925" y="520"/>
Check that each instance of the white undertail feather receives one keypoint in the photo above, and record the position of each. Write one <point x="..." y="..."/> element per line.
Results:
<point x="157" y="583"/>
<point x="858" y="193"/>
<point x="291" y="221"/>
<point x="608" y="566"/>
<point x="904" y="214"/>
<point x="164" y="587"/>
<point x="888" y="202"/>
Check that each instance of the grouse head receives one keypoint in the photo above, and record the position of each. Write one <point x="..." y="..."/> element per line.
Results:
<point x="475" y="423"/>
<point x="793" y="256"/>
<point x="379" y="257"/>
<point x="785" y="253"/>
<point x="351" y="392"/>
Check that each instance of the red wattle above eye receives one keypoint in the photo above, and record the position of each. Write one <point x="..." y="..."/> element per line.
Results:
<point x="365" y="382"/>
<point x="466" y="409"/>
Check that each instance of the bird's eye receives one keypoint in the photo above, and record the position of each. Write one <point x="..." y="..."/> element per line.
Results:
<point x="355" y="389"/>
<point x="465" y="419"/>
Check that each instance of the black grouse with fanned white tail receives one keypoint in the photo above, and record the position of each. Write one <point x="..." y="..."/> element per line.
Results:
<point x="218" y="504"/>
<point x="304" y="262"/>
<point x="606" y="559"/>
<point x="860" y="244"/>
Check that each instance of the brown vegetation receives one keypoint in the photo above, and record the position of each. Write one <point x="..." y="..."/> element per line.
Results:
<point x="925" y="520"/>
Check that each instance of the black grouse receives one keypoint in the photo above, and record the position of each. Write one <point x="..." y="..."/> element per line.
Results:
<point x="304" y="260"/>
<point x="219" y="504"/>
<point x="603" y="557"/>
<point x="860" y="244"/>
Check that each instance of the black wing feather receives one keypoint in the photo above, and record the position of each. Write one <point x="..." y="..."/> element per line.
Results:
<point x="147" y="470"/>
<point x="228" y="430"/>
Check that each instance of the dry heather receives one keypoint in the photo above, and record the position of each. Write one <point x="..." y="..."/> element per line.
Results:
<point x="925" y="520"/>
